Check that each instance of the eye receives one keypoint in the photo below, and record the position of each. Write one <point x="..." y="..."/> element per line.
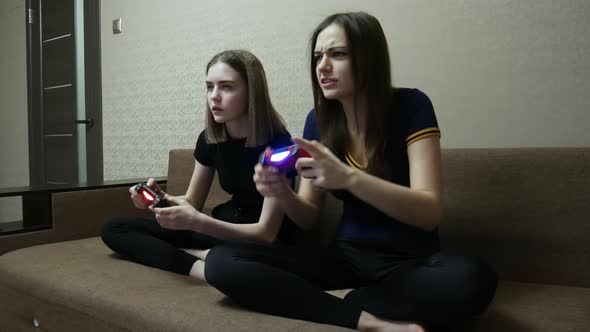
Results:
<point x="227" y="87"/>
<point x="209" y="87"/>
<point x="317" y="57"/>
<point x="339" y="53"/>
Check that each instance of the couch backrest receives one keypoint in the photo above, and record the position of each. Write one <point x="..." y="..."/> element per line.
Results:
<point x="526" y="211"/>
<point x="181" y="163"/>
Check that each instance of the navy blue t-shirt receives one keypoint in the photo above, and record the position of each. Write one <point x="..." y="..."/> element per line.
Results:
<point x="363" y="224"/>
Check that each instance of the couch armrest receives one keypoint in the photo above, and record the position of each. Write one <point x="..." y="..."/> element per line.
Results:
<point x="75" y="215"/>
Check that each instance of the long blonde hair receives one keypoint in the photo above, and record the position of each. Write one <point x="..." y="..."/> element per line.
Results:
<point x="265" y="122"/>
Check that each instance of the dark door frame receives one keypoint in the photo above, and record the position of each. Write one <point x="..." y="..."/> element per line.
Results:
<point x="93" y="70"/>
<point x="93" y="91"/>
<point x="34" y="92"/>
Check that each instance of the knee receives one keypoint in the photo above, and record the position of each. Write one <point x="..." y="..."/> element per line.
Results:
<point x="478" y="282"/>
<point x="219" y="267"/>
<point x="111" y="231"/>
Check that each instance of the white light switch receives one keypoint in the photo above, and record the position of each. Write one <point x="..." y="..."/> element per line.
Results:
<point x="117" y="26"/>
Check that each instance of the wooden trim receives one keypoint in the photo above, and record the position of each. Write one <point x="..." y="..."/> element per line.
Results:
<point x="34" y="94"/>
<point x="93" y="70"/>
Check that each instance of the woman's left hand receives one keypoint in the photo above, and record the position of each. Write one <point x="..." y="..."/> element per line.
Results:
<point x="324" y="169"/>
<point x="180" y="216"/>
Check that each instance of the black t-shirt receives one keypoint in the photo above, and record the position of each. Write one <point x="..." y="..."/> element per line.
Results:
<point x="234" y="163"/>
<point x="363" y="224"/>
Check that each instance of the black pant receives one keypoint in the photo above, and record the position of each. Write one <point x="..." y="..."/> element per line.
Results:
<point x="144" y="241"/>
<point x="288" y="281"/>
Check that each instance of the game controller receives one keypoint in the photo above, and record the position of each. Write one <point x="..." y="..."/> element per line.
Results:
<point x="283" y="158"/>
<point x="152" y="196"/>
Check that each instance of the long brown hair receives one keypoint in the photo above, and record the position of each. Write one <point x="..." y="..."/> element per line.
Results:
<point x="371" y="73"/>
<point x="265" y="122"/>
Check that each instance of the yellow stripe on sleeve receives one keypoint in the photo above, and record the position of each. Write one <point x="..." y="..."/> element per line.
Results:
<point x="421" y="132"/>
<point x="417" y="138"/>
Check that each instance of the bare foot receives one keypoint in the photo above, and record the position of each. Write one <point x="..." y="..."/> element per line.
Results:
<point x="199" y="253"/>
<point x="341" y="293"/>
<point x="370" y="323"/>
<point x="198" y="272"/>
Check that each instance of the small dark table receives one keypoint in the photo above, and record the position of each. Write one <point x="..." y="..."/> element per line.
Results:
<point x="36" y="202"/>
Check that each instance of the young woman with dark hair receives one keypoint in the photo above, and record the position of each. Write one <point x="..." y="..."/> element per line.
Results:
<point x="377" y="148"/>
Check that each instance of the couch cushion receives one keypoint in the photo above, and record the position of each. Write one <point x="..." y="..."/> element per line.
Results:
<point x="525" y="211"/>
<point x="81" y="286"/>
<point x="530" y="307"/>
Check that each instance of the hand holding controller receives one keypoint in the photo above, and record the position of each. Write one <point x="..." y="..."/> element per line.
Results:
<point x="154" y="197"/>
<point x="283" y="158"/>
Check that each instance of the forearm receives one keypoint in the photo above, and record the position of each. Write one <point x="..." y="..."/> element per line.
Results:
<point x="301" y="211"/>
<point x="190" y="201"/>
<point x="199" y="187"/>
<point x="420" y="208"/>
<point x="197" y="200"/>
<point x="230" y="231"/>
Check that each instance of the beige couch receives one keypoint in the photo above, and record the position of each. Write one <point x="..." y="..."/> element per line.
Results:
<point x="525" y="210"/>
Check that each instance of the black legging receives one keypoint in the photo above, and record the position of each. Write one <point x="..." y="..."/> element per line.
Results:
<point x="144" y="241"/>
<point x="288" y="281"/>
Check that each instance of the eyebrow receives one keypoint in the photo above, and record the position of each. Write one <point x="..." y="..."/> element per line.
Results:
<point x="221" y="82"/>
<point x="330" y="49"/>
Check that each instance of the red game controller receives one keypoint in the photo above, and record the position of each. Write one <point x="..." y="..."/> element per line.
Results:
<point x="283" y="158"/>
<point x="152" y="196"/>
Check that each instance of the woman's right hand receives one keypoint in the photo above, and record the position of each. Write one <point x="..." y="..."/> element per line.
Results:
<point x="269" y="182"/>
<point x="136" y="198"/>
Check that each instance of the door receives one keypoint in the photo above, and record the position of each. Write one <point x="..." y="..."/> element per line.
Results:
<point x="64" y="92"/>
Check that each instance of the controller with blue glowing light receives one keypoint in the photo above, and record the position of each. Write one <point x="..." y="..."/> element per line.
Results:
<point x="283" y="158"/>
<point x="152" y="196"/>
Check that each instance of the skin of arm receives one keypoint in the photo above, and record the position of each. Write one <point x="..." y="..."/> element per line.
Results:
<point x="264" y="231"/>
<point x="186" y="213"/>
<point x="302" y="207"/>
<point x="419" y="205"/>
<point x="199" y="186"/>
<point x="183" y="216"/>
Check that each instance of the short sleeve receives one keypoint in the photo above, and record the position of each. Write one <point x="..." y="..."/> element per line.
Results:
<point x="310" y="131"/>
<point x="203" y="153"/>
<point x="281" y="140"/>
<point x="422" y="121"/>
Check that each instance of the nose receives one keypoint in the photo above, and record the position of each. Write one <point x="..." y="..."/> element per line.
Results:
<point x="215" y="94"/>
<point x="324" y="64"/>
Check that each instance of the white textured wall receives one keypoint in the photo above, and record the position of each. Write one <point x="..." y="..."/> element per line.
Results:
<point x="14" y="151"/>
<point x="511" y="73"/>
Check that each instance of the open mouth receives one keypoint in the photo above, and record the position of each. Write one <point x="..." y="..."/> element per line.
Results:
<point x="328" y="82"/>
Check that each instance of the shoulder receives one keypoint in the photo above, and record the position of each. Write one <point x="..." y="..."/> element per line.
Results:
<point x="310" y="116"/>
<point x="281" y="139"/>
<point x="310" y="131"/>
<point x="408" y="98"/>
<point x="202" y="140"/>
<point x="202" y="151"/>
<point x="416" y="114"/>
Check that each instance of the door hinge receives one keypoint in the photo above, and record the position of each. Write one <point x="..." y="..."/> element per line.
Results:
<point x="31" y="16"/>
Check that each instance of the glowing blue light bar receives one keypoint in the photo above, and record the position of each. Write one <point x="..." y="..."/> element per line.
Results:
<point x="279" y="156"/>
